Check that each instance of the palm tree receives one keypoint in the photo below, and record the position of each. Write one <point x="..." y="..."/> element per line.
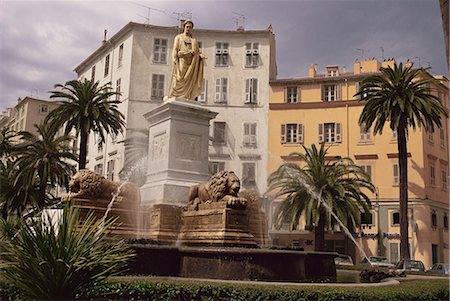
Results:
<point x="401" y="97"/>
<point x="6" y="141"/>
<point x="318" y="188"/>
<point x="17" y="193"/>
<point x="46" y="156"/>
<point x="87" y="108"/>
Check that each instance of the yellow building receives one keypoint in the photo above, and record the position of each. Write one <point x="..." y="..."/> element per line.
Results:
<point x="322" y="108"/>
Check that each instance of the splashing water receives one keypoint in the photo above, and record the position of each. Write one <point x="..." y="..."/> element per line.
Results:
<point x="318" y="197"/>
<point x="111" y="203"/>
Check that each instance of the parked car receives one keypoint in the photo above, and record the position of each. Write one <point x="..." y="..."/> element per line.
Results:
<point x="439" y="268"/>
<point x="343" y="260"/>
<point x="377" y="261"/>
<point x="409" y="265"/>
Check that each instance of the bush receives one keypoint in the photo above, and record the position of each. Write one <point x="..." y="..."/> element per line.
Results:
<point x="140" y="288"/>
<point x="42" y="261"/>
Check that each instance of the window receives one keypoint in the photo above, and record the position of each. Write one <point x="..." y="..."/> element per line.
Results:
<point x="110" y="170"/>
<point x="157" y="86"/>
<point x="332" y="72"/>
<point x="367" y="169"/>
<point x="43" y="109"/>
<point x="365" y="136"/>
<point x="329" y="132"/>
<point x="395" y="173"/>
<point x="221" y="90"/>
<point x="393" y="135"/>
<point x="442" y="137"/>
<point x="118" y="84"/>
<point x="99" y="145"/>
<point x="215" y="167"/>
<point x="366" y="218"/>
<point x="160" y="51"/>
<point x="249" y="135"/>
<point x="444" y="179"/>
<point x="222" y="54"/>
<point x="433" y="219"/>
<point x="119" y="64"/>
<point x="430" y="136"/>
<point x="291" y="94"/>
<point x="292" y="133"/>
<point x="219" y="132"/>
<point x="396" y="218"/>
<point x="98" y="169"/>
<point x="251" y="90"/>
<point x="106" y="66"/>
<point x="432" y="175"/>
<point x="330" y="92"/>
<point x="248" y="174"/>
<point x="93" y="73"/>
<point x="203" y="97"/>
<point x="251" y="54"/>
<point x="445" y="221"/>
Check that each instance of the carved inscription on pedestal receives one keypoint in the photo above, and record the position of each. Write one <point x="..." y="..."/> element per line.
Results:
<point x="159" y="147"/>
<point x="188" y="147"/>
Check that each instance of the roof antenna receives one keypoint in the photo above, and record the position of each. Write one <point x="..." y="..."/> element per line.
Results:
<point x="148" y="12"/>
<point x="239" y="20"/>
<point x="182" y="16"/>
<point x="104" y="36"/>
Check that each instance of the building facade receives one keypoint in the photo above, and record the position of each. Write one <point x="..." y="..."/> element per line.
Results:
<point x="26" y="113"/>
<point x="322" y="108"/>
<point x="137" y="61"/>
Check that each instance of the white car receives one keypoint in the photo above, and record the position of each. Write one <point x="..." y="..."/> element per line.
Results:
<point x="377" y="261"/>
<point x="343" y="260"/>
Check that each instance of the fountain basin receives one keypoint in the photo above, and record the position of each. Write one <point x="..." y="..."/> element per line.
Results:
<point x="233" y="263"/>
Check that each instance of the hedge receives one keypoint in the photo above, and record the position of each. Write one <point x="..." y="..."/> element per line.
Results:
<point x="149" y="288"/>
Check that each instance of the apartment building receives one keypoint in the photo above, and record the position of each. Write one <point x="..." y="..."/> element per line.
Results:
<point x="26" y="113"/>
<point x="137" y="61"/>
<point x="322" y="108"/>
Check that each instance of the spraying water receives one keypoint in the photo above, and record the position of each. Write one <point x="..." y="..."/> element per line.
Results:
<point x="318" y="197"/>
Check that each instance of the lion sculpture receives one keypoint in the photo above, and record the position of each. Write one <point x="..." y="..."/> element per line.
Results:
<point x="86" y="184"/>
<point x="223" y="186"/>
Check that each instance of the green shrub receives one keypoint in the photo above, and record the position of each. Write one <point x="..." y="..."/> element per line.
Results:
<point x="46" y="262"/>
<point x="148" y="288"/>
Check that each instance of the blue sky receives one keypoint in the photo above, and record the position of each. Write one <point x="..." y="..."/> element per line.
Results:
<point x="41" y="42"/>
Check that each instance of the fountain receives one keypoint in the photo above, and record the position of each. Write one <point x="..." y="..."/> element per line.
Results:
<point x="199" y="227"/>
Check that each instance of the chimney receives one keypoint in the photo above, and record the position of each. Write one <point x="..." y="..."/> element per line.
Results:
<point x="104" y="36"/>
<point x="312" y="70"/>
<point x="357" y="67"/>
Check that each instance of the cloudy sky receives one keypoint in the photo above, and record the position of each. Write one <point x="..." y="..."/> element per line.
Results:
<point x="41" y="42"/>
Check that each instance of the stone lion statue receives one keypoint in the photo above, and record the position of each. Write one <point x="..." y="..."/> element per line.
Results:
<point x="86" y="184"/>
<point x="223" y="186"/>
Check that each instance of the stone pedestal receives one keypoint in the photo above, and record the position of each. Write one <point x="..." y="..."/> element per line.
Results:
<point x="177" y="160"/>
<point x="216" y="224"/>
<point x="178" y="151"/>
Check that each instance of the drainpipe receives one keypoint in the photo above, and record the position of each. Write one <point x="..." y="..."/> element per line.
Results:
<point x="348" y="131"/>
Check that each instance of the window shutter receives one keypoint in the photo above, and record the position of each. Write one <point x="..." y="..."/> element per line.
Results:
<point x="217" y="95"/>
<point x="283" y="133"/>
<point x="323" y="92"/>
<point x="338" y="92"/>
<point x="254" y="90"/>
<point x="395" y="173"/>
<point x="338" y="132"/>
<point x="297" y="98"/>
<point x="300" y="133"/>
<point x="320" y="132"/>
<point x="224" y="89"/>
<point x="247" y="90"/>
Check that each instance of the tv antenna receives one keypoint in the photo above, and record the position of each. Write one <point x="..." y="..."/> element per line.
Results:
<point x="239" y="20"/>
<point x="419" y="59"/>
<point x="186" y="15"/>
<point x="382" y="53"/>
<point x="362" y="52"/>
<point x="149" y="9"/>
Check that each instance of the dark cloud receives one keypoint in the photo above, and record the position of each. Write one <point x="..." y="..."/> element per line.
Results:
<point x="42" y="42"/>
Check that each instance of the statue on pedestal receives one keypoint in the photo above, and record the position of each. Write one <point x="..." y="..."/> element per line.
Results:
<point x="187" y="75"/>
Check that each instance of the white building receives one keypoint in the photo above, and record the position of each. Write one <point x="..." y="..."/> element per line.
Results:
<point x="137" y="60"/>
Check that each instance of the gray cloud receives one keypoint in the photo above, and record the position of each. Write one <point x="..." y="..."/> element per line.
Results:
<point x="41" y="42"/>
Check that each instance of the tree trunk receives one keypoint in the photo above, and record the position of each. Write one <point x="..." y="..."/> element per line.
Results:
<point x="403" y="186"/>
<point x="319" y="232"/>
<point x="84" y="135"/>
